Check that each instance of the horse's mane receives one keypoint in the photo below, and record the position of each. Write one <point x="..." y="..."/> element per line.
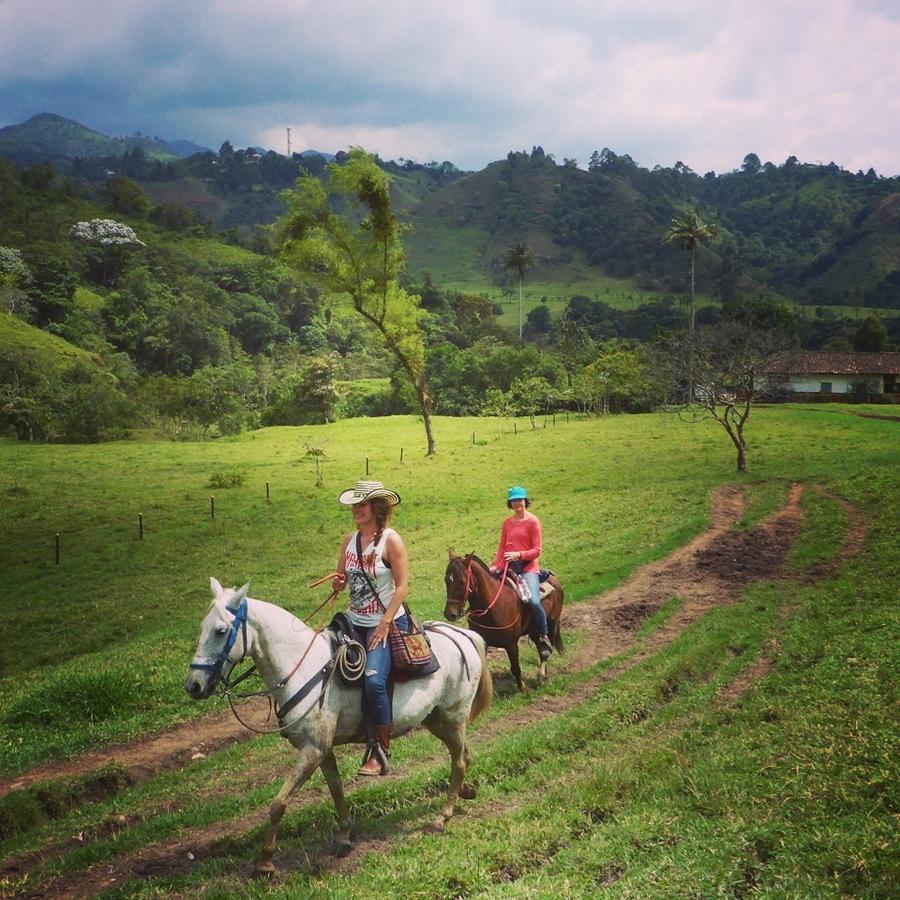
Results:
<point x="481" y="563"/>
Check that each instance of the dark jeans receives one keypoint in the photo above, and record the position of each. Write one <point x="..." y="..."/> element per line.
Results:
<point x="377" y="673"/>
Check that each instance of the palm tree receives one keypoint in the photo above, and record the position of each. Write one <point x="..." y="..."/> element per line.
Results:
<point x="690" y="230"/>
<point x="519" y="258"/>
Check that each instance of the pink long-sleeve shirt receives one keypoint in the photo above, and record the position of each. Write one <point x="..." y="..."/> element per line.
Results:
<point x="523" y="536"/>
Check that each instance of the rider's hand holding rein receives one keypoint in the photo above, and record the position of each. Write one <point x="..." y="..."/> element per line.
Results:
<point x="395" y="556"/>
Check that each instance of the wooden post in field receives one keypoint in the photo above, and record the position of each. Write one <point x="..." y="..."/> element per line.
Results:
<point x="367" y="466"/>
<point x="267" y="492"/>
<point x="473" y="438"/>
<point x="515" y="427"/>
<point x="140" y="526"/>
<point x="554" y="420"/>
<point x="401" y="454"/>
<point x="567" y="417"/>
<point x="57" y="548"/>
<point x="212" y="507"/>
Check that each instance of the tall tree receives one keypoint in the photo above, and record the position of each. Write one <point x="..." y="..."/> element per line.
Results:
<point x="518" y="259"/>
<point x="689" y="230"/>
<point x="357" y="252"/>
<point x="871" y="336"/>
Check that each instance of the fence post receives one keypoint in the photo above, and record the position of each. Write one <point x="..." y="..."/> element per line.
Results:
<point x="473" y="438"/>
<point x="401" y="454"/>
<point x="140" y="526"/>
<point x="212" y="506"/>
<point x="367" y="466"/>
<point x="515" y="427"/>
<point x="267" y="492"/>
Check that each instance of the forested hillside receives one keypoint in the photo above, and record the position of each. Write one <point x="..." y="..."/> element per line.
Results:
<point x="169" y="303"/>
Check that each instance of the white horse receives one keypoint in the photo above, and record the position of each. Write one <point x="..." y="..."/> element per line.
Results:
<point x="318" y="711"/>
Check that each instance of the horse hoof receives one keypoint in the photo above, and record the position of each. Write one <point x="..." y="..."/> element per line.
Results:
<point x="437" y="826"/>
<point x="467" y="792"/>
<point x="264" y="869"/>
<point x="342" y="849"/>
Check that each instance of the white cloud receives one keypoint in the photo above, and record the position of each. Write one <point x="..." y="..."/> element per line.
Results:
<point x="704" y="82"/>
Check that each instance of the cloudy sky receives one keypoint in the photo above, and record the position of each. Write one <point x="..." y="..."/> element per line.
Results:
<point x="701" y="81"/>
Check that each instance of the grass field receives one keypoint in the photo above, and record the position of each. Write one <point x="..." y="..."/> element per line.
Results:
<point x="649" y="787"/>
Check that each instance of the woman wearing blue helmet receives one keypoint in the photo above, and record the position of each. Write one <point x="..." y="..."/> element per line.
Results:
<point x="520" y="549"/>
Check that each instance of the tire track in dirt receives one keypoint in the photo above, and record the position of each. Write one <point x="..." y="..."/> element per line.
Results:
<point x="711" y="570"/>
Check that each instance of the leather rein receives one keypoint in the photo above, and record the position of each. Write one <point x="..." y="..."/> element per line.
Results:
<point x="469" y="591"/>
<point x="239" y="625"/>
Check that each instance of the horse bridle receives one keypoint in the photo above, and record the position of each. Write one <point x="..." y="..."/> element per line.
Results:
<point x="218" y="664"/>
<point x="338" y="661"/>
<point x="469" y="589"/>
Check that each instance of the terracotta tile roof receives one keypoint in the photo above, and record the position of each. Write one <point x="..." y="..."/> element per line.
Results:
<point x="801" y="362"/>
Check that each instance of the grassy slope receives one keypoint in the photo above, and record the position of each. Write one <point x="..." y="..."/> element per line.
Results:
<point x="51" y="353"/>
<point x="648" y="789"/>
<point x="613" y="493"/>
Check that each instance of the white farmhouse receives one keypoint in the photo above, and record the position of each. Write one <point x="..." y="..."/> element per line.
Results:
<point x="823" y="375"/>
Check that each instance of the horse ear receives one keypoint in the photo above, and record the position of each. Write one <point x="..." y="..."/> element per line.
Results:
<point x="452" y="553"/>
<point x="216" y="586"/>
<point x="239" y="595"/>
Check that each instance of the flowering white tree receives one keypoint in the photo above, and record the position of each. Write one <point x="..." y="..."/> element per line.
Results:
<point x="104" y="231"/>
<point x="112" y="238"/>
<point x="13" y="274"/>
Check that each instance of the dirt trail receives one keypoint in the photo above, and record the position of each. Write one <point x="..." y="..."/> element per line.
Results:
<point x="710" y="571"/>
<point x="145" y="757"/>
<point x="175" y="747"/>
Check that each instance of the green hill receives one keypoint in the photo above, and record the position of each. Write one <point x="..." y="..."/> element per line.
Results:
<point x="48" y="138"/>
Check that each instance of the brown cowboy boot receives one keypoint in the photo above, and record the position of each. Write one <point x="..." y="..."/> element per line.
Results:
<point x="376" y="760"/>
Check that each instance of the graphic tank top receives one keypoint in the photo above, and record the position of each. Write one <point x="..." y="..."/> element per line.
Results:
<point x="365" y="610"/>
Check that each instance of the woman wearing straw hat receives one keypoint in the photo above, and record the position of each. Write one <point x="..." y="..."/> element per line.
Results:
<point x="374" y="564"/>
<point x="519" y="550"/>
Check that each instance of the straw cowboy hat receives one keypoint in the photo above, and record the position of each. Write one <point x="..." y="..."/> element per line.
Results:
<point x="368" y="490"/>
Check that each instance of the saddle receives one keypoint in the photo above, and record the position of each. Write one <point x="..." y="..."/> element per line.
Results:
<point x="517" y="583"/>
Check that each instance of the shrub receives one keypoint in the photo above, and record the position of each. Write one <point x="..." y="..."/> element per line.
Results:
<point x="219" y="480"/>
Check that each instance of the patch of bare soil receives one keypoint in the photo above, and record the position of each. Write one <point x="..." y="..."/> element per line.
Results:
<point x="710" y="571"/>
<point x="170" y="749"/>
<point x="867" y="415"/>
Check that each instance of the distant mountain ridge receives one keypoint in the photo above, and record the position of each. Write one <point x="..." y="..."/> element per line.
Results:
<point x="813" y="233"/>
<point x="54" y="139"/>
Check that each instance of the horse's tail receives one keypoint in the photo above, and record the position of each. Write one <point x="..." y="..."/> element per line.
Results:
<point x="556" y="626"/>
<point x="484" y="695"/>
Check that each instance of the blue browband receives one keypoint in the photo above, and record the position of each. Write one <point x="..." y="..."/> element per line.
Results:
<point x="215" y="667"/>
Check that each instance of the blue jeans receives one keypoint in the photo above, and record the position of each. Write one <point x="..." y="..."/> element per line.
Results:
<point x="377" y="673"/>
<point x="533" y="580"/>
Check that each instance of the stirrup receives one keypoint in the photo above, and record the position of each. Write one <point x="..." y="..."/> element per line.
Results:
<point x="545" y="648"/>
<point x="374" y="751"/>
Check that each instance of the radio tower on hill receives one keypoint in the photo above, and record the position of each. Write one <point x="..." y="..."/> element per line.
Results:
<point x="289" y="141"/>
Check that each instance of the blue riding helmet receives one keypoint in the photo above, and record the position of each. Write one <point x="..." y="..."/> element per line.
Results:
<point x="516" y="493"/>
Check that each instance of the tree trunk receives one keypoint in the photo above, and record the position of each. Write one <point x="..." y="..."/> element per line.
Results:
<point x="741" y="458"/>
<point x="422" y="398"/>
<point x="690" y="396"/>
<point x="520" y="309"/>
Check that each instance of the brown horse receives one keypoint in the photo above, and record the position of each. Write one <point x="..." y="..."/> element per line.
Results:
<point x="495" y="610"/>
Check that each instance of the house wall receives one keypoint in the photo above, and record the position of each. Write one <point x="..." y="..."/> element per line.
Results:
<point x="840" y="384"/>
